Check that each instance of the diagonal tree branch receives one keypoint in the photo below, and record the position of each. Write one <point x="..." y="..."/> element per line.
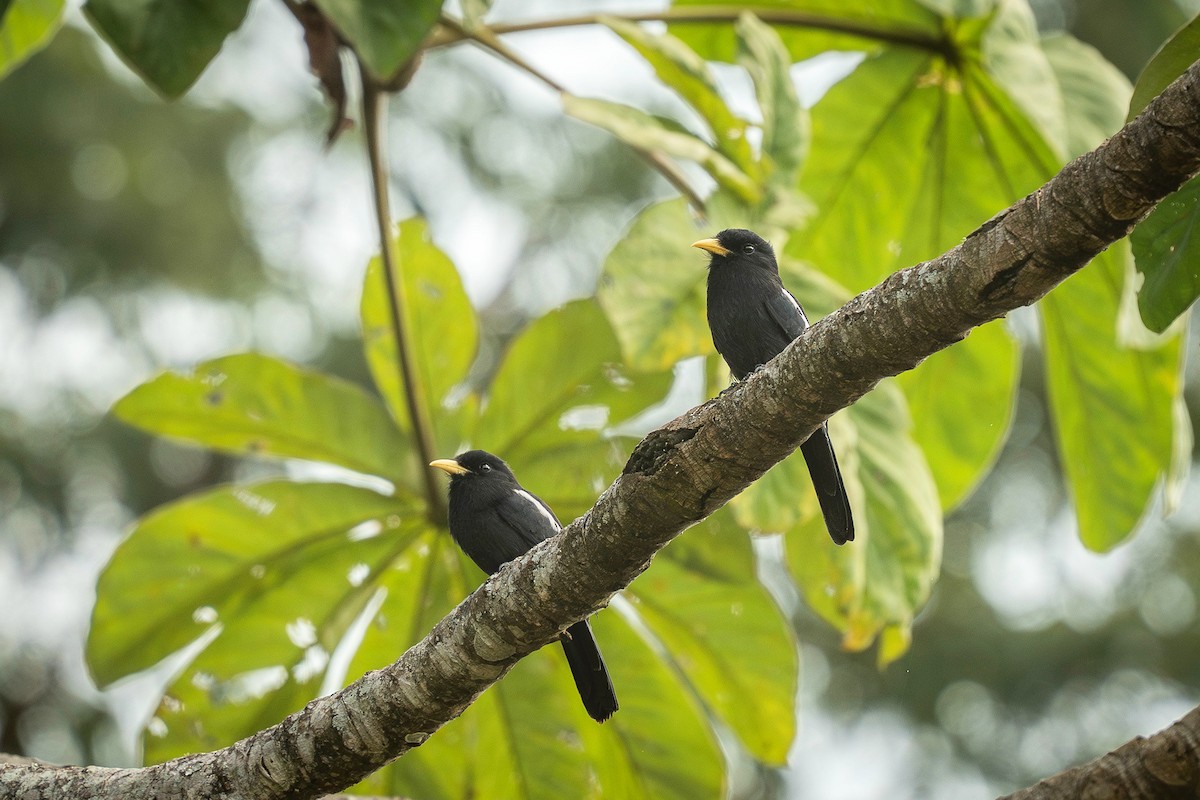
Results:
<point x="682" y="472"/>
<point x="1165" y="766"/>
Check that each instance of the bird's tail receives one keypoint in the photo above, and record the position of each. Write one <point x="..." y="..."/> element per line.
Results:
<point x="827" y="480"/>
<point x="587" y="667"/>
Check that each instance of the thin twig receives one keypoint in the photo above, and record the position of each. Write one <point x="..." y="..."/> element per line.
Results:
<point x="414" y="391"/>
<point x="486" y="39"/>
<point x="719" y="14"/>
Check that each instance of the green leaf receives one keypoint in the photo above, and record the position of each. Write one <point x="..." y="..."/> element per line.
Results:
<point x="1112" y="405"/>
<point x="680" y="68"/>
<point x="560" y="386"/>
<point x="819" y="26"/>
<point x="984" y="376"/>
<point x="1166" y="245"/>
<point x="659" y="744"/>
<point x="385" y="35"/>
<point x="785" y="123"/>
<point x="1108" y="399"/>
<point x="783" y="498"/>
<point x="441" y="326"/>
<point x="653" y="289"/>
<point x="1094" y="92"/>
<point x="639" y="129"/>
<point x="1012" y="57"/>
<point x="167" y="42"/>
<point x="877" y="583"/>
<point x="499" y="748"/>
<point x="418" y="589"/>
<point x="948" y="149"/>
<point x="252" y="404"/>
<point x="704" y="603"/>
<point x="26" y="26"/>
<point x="240" y="558"/>
<point x="1172" y="60"/>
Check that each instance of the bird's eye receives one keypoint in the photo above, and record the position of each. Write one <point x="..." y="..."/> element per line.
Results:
<point x="486" y="468"/>
<point x="748" y="249"/>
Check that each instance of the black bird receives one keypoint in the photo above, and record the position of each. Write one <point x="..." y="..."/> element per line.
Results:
<point x="752" y="319"/>
<point x="494" y="520"/>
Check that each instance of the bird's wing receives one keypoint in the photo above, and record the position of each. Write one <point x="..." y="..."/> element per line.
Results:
<point x="787" y="313"/>
<point x="529" y="517"/>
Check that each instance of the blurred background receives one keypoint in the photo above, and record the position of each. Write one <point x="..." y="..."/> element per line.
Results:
<point x="137" y="235"/>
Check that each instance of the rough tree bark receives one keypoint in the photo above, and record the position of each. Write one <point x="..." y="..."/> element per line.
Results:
<point x="1165" y="766"/>
<point x="687" y="469"/>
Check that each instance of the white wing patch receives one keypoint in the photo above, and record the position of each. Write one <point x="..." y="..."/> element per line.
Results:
<point x="796" y="305"/>
<point x="541" y="508"/>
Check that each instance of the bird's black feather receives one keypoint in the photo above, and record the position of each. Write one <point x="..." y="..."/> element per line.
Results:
<point x="494" y="520"/>
<point x="752" y="318"/>
<point x="786" y="311"/>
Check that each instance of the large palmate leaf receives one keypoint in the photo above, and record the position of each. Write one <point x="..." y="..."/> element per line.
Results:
<point x="703" y="602"/>
<point x="168" y="42"/>
<point x="235" y="557"/>
<point x="253" y="404"/>
<point x="653" y="289"/>
<point x="1113" y="406"/>
<point x="948" y="147"/>
<point x="876" y="585"/>
<point x="26" y="26"/>
<point x="900" y="127"/>
<point x="440" y="325"/>
<point x="953" y="399"/>
<point x="1113" y="400"/>
<point x="724" y="637"/>
<point x="529" y="737"/>
<point x="753" y="185"/>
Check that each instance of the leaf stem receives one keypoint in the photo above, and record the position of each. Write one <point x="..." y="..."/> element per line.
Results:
<point x="374" y="121"/>
<point x="913" y="37"/>
<point x="488" y="40"/>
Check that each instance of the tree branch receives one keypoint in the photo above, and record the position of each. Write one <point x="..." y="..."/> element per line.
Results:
<point x="783" y="17"/>
<point x="659" y="162"/>
<point x="1165" y="766"/>
<point x="682" y="472"/>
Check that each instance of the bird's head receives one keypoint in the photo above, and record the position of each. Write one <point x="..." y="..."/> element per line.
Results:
<point x="474" y="464"/>
<point x="740" y="249"/>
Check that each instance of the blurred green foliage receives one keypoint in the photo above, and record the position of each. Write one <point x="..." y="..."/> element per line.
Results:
<point x="124" y="191"/>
